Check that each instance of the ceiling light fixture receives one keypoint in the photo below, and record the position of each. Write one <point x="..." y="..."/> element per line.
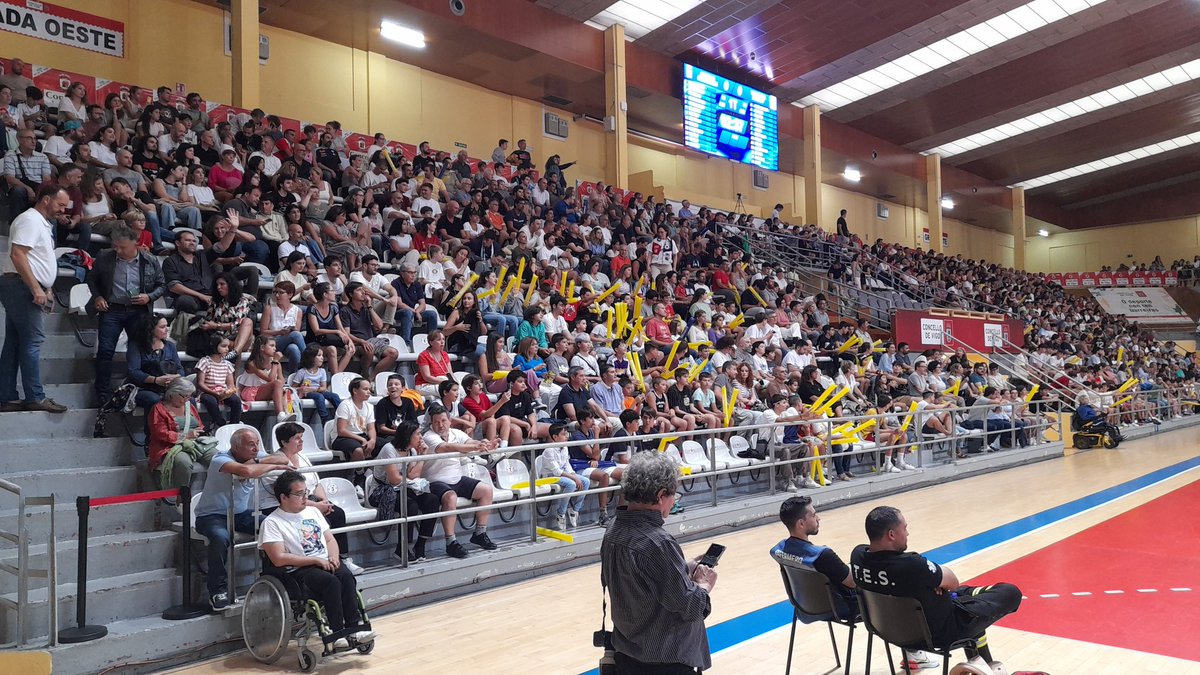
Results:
<point x="643" y="16"/>
<point x="1116" y="160"/>
<point x="947" y="203"/>
<point x="404" y="35"/>
<point x="1080" y="106"/>
<point x="853" y="175"/>
<point x="951" y="49"/>
<point x="1043" y="233"/>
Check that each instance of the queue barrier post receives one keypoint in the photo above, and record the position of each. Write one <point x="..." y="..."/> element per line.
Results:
<point x="82" y="632"/>
<point x="189" y="609"/>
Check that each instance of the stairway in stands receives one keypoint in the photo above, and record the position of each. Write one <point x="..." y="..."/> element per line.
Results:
<point x="132" y="551"/>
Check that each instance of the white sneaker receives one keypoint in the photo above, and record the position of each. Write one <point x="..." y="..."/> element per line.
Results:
<point x="809" y="483"/>
<point x="560" y="523"/>
<point x="793" y="486"/>
<point x="572" y="518"/>
<point x="341" y="644"/>
<point x="905" y="465"/>
<point x="888" y="467"/>
<point x="363" y="636"/>
<point x="919" y="660"/>
<point x="354" y="569"/>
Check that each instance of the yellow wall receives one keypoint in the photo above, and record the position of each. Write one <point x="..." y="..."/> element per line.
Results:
<point x="1088" y="250"/>
<point x="711" y="181"/>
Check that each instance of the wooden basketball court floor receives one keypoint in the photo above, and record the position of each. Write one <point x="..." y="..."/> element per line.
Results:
<point x="977" y="525"/>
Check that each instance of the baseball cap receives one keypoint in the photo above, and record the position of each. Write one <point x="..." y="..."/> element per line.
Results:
<point x="71" y="125"/>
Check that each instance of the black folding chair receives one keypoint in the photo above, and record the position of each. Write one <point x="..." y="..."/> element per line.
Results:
<point x="901" y="622"/>
<point x="811" y="596"/>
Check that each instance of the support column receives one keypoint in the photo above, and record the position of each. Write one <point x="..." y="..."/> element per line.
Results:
<point x="933" y="197"/>
<point x="243" y="15"/>
<point x="1018" y="227"/>
<point x="616" y="106"/>
<point x="812" y="165"/>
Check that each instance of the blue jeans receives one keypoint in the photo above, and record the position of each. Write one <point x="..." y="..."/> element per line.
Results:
<point x="568" y="486"/>
<point x="404" y="322"/>
<point x="324" y="401"/>
<point x="291" y="346"/>
<point x="215" y="529"/>
<point x="168" y="214"/>
<point x="118" y="318"/>
<point x="23" y="337"/>
<point x="256" y="251"/>
<point x="502" y="323"/>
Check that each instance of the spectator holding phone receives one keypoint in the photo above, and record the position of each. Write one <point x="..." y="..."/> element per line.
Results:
<point x="659" y="599"/>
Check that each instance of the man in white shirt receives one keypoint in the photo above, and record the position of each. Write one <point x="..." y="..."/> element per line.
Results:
<point x="271" y="163"/>
<point x="169" y="141"/>
<point x="58" y="147"/>
<point x="425" y="198"/>
<point x="28" y="270"/>
<point x="447" y="482"/>
<point x="540" y="193"/>
<point x="377" y="288"/>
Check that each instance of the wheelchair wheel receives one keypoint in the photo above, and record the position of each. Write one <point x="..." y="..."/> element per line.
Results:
<point x="308" y="660"/>
<point x="266" y="619"/>
<point x="366" y="647"/>
<point x="1083" y="442"/>
<point x="1111" y="441"/>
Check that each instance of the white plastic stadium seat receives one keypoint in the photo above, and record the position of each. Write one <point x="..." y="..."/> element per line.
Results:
<point x="672" y="453"/>
<point x="381" y="382"/>
<point x="510" y="472"/>
<point x="725" y="456"/>
<point x="311" y="449"/>
<point x="693" y="454"/>
<point x="341" y="493"/>
<point x="79" y="298"/>
<point x="480" y="473"/>
<point x="340" y="384"/>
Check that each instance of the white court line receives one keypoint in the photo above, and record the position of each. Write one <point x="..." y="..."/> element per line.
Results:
<point x="1113" y="592"/>
<point x="1049" y="595"/>
<point x="1081" y="594"/>
<point x="1181" y="590"/>
<point x="1147" y="590"/>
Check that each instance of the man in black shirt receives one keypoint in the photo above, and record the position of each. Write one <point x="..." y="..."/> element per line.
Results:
<point x="954" y="612"/>
<point x="518" y="405"/>
<point x="189" y="276"/>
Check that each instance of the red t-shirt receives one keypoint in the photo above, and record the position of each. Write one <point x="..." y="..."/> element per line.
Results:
<point x="658" y="331"/>
<point x="437" y="367"/>
<point x="477" y="406"/>
<point x="221" y="179"/>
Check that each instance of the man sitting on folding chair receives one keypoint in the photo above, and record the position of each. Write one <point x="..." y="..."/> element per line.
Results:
<point x="953" y="612"/>
<point x="800" y="518"/>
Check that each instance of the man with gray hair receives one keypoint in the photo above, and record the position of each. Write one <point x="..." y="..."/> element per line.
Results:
<point x="411" y="293"/>
<point x="231" y="475"/>
<point x="659" y="599"/>
<point x="124" y="282"/>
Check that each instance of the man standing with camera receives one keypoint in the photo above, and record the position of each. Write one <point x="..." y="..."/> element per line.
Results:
<point x="659" y="598"/>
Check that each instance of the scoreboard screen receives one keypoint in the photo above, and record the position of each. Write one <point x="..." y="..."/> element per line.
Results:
<point x="727" y="119"/>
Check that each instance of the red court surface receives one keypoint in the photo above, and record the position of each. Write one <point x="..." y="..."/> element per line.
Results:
<point x="1131" y="582"/>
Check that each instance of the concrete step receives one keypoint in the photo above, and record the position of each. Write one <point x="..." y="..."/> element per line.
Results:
<point x="67" y="484"/>
<point x="160" y="645"/>
<point x="74" y="395"/>
<point x="108" y="556"/>
<point x="108" y="599"/>
<point x="75" y="369"/>
<point x="37" y="425"/>
<point x="62" y="322"/>
<point x="21" y="455"/>
<point x="116" y="519"/>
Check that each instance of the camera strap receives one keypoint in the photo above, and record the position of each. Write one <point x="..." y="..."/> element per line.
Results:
<point x="603" y="604"/>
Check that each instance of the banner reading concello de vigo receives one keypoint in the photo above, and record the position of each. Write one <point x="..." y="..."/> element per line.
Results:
<point x="63" y="25"/>
<point x="1144" y="305"/>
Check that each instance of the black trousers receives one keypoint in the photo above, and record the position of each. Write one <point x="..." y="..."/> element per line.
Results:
<point x="419" y="504"/>
<point x="627" y="665"/>
<point x="980" y="607"/>
<point x="337" y="591"/>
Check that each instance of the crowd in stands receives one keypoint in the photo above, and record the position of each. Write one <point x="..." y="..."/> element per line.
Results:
<point x="528" y="312"/>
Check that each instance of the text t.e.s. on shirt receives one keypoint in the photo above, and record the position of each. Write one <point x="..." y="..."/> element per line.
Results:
<point x="909" y="575"/>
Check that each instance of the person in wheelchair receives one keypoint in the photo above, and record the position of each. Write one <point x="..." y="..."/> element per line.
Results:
<point x="1089" y="420"/>
<point x="297" y="540"/>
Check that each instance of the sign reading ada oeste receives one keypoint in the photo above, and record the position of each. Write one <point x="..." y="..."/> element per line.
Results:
<point x="64" y="26"/>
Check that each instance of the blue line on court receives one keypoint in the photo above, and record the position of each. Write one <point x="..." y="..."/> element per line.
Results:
<point x="740" y="629"/>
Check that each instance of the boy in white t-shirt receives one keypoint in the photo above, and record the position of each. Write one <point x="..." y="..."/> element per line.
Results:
<point x="556" y="463"/>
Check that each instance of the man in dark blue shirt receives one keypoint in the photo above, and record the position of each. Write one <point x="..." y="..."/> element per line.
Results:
<point x="412" y="303"/>
<point x="801" y="520"/>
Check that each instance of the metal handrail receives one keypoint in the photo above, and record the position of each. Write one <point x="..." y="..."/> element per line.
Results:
<point x="22" y="571"/>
